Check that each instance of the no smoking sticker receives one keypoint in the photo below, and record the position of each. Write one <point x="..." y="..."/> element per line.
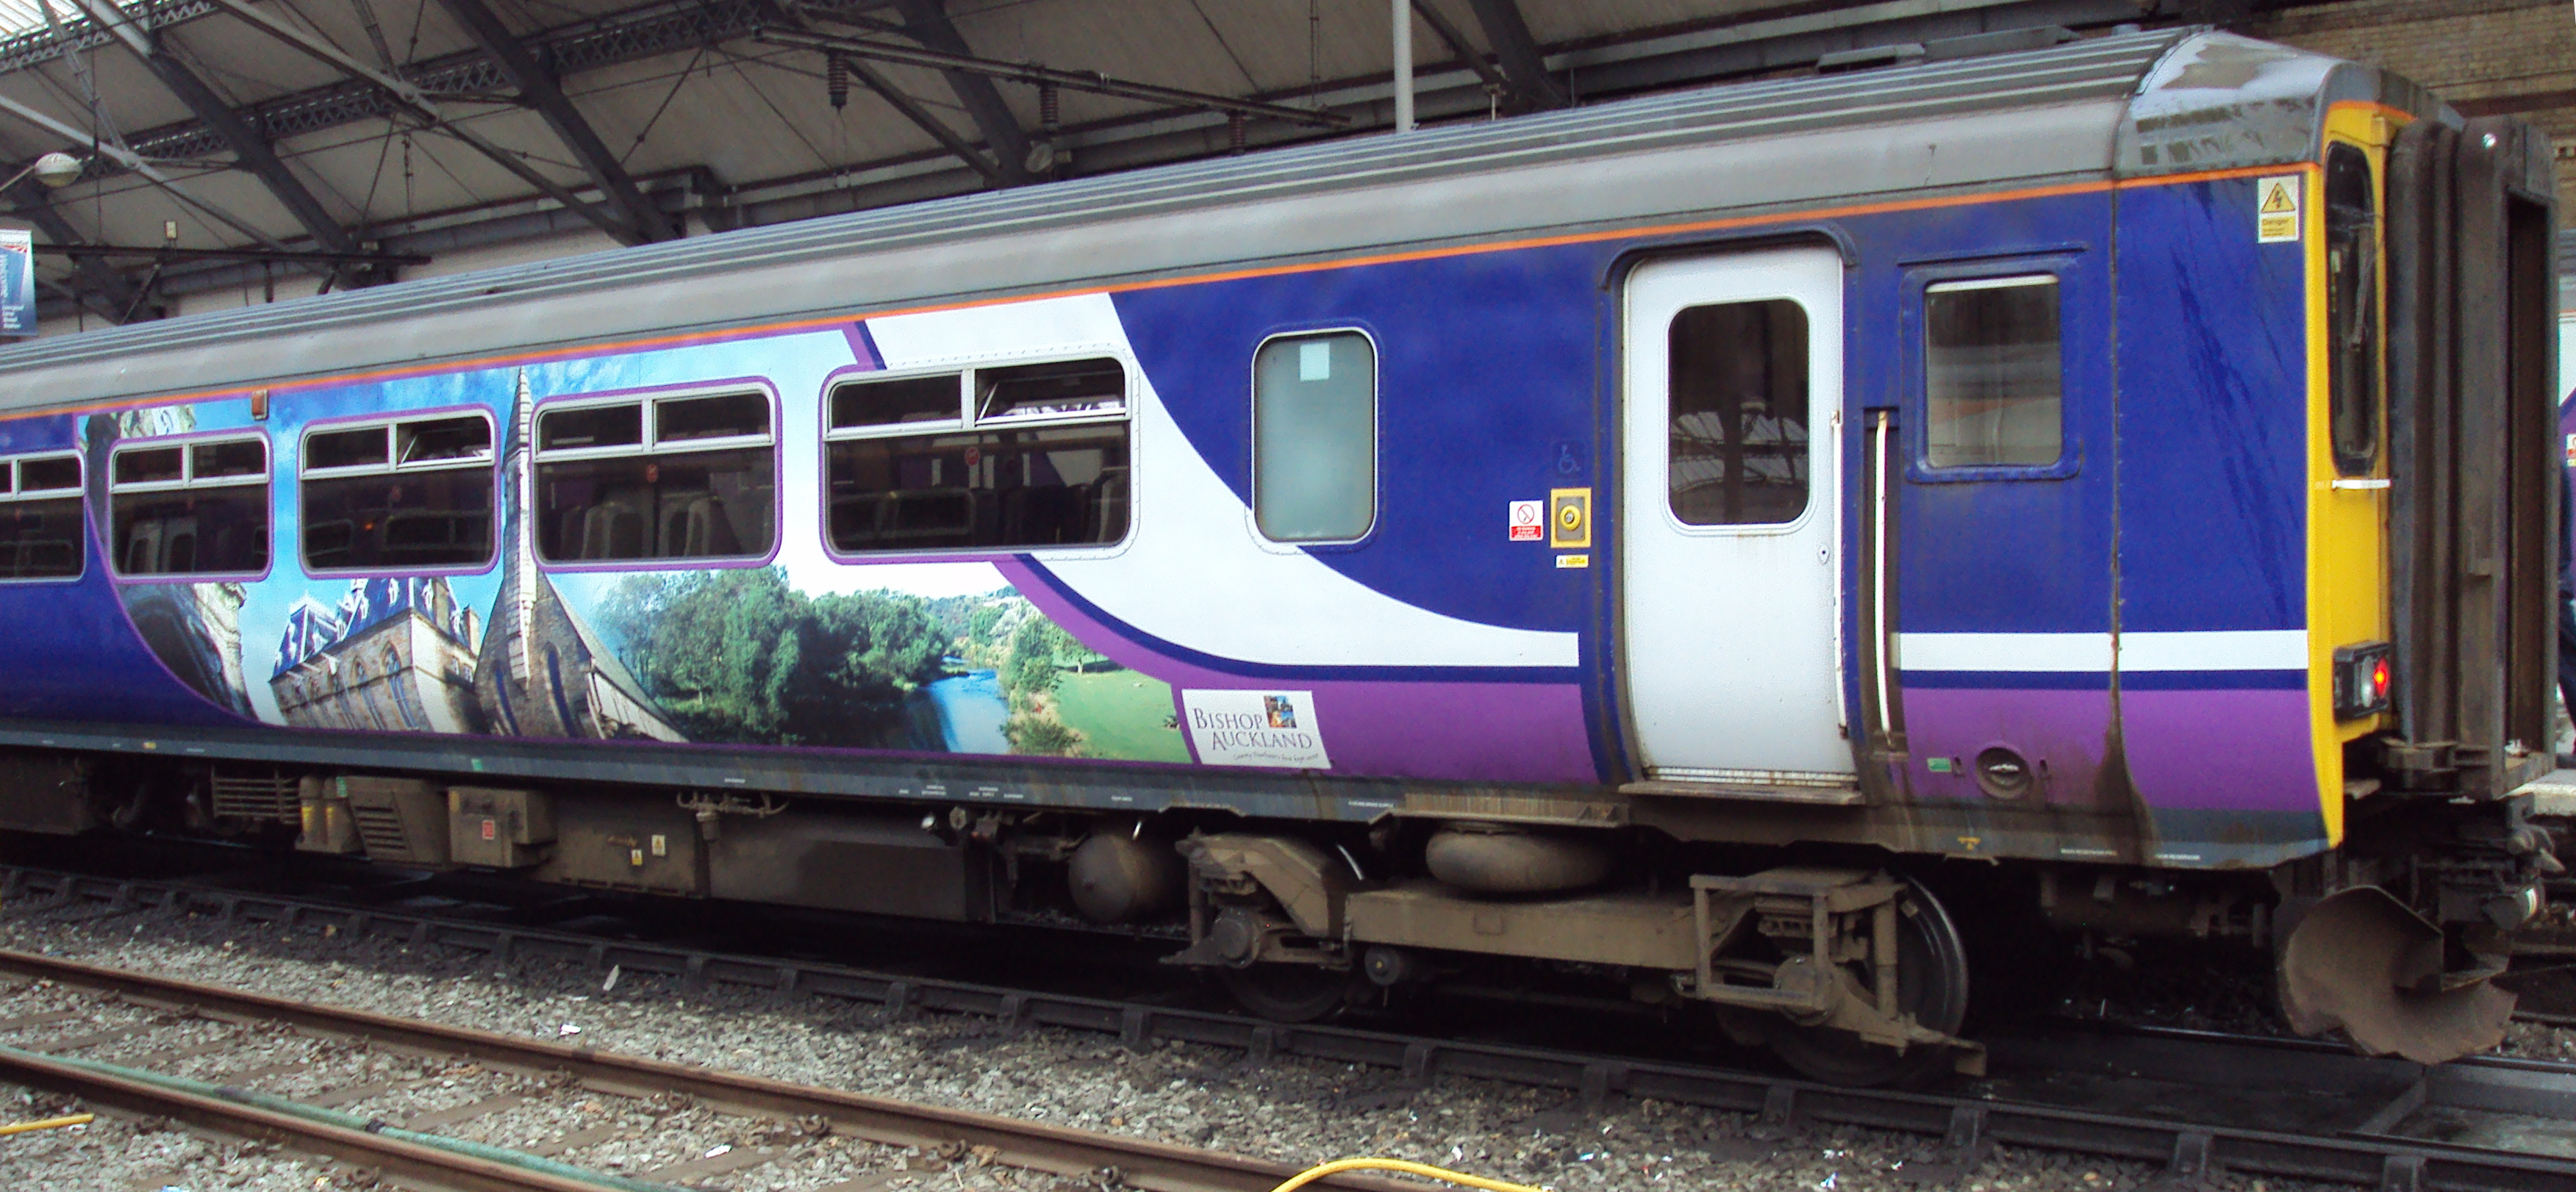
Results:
<point x="1529" y="521"/>
<point x="2276" y="209"/>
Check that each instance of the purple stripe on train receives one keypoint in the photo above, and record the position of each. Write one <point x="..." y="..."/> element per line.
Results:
<point x="2058" y="732"/>
<point x="2245" y="750"/>
<point x="1453" y="730"/>
<point x="2224" y="749"/>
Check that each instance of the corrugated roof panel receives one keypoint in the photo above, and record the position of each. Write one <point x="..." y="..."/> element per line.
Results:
<point x="2102" y="69"/>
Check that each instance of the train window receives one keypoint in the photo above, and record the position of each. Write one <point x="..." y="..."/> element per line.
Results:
<point x="197" y="509"/>
<point x="440" y="440"/>
<point x="1738" y="409"/>
<point x="906" y="402"/>
<point x="598" y="426"/>
<point x="399" y="496"/>
<point x="1041" y="461"/>
<point x="48" y="475"/>
<point x="41" y="528"/>
<point x="325" y="450"/>
<point x="1993" y="375"/>
<point x="227" y="460"/>
<point x="159" y="465"/>
<point x="702" y="485"/>
<point x="2352" y="298"/>
<point x="743" y="416"/>
<point x="1314" y="437"/>
<point x="1031" y="392"/>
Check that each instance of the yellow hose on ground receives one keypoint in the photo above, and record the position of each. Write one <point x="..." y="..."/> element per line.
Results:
<point x="1406" y="1166"/>
<point x="77" y="1119"/>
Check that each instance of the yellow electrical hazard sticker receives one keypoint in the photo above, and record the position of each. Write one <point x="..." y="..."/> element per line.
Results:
<point x="2276" y="209"/>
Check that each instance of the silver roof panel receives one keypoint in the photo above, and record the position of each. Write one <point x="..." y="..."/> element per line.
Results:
<point x="2025" y="118"/>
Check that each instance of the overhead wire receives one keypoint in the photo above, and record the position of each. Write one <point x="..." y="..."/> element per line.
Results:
<point x="393" y="124"/>
<point x="736" y="60"/>
<point x="656" y="118"/>
<point x="1314" y="61"/>
<point x="467" y="191"/>
<point x="85" y="76"/>
<point x="231" y="86"/>
<point x="376" y="179"/>
<point x="89" y="102"/>
<point x="1227" y="46"/>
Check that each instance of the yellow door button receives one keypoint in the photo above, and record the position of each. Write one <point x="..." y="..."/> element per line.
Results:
<point x="1569" y="518"/>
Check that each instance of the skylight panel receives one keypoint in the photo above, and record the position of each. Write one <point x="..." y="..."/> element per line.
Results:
<point x="19" y="17"/>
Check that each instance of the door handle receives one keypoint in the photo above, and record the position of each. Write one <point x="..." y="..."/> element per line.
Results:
<point x="1883" y="654"/>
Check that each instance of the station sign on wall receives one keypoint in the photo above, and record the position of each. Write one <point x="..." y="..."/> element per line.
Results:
<point x="17" y="282"/>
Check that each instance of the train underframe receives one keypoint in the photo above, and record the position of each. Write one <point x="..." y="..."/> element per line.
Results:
<point x="1853" y="963"/>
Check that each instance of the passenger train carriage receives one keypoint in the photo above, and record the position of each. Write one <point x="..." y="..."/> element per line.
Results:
<point x="1718" y="544"/>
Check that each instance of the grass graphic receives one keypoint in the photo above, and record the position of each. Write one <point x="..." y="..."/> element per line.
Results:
<point x="1120" y="714"/>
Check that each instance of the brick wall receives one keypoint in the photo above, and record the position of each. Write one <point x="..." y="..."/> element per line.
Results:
<point x="2487" y="57"/>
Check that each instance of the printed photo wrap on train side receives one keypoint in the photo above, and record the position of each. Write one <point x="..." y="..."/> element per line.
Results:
<point x="783" y="647"/>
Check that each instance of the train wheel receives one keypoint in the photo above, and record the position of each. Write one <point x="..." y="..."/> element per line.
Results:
<point x="1289" y="992"/>
<point x="1932" y="985"/>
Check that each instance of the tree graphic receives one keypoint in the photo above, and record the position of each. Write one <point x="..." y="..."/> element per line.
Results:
<point x="742" y="656"/>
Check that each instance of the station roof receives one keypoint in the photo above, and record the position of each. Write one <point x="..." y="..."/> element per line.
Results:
<point x="234" y="150"/>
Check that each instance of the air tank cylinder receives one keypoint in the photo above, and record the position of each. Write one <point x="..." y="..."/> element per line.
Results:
<point x="1483" y="858"/>
<point x="1119" y="878"/>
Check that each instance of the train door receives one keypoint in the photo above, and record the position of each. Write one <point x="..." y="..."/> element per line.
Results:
<point x="1728" y="520"/>
<point x="2002" y="497"/>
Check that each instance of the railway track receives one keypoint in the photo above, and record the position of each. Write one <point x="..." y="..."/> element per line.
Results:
<point x="171" y="1019"/>
<point x="2367" y="1131"/>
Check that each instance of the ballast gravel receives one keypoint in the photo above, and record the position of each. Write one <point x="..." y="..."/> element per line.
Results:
<point x="1290" y="1109"/>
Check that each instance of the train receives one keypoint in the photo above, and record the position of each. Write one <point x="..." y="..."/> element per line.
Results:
<point x="1768" y="551"/>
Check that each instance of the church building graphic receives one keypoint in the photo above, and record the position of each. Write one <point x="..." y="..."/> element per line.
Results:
<point x="402" y="655"/>
<point x="395" y="655"/>
<point x="540" y="671"/>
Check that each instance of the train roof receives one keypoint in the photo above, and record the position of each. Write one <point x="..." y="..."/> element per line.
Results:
<point x="2130" y="104"/>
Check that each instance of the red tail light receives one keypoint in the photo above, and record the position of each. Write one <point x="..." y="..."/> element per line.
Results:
<point x="2363" y="678"/>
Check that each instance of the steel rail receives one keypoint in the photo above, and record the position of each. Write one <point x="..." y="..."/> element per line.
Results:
<point x="1967" y="1124"/>
<point x="1142" y="1163"/>
<point x="394" y="1156"/>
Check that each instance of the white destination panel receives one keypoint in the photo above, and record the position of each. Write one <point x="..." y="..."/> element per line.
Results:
<point x="1255" y="728"/>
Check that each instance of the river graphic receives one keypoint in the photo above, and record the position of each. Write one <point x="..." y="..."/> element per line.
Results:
<point x="971" y="712"/>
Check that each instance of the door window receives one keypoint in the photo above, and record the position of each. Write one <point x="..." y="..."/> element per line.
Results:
<point x="1993" y="374"/>
<point x="1738" y="431"/>
<point x="2352" y="292"/>
<point x="1314" y="437"/>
